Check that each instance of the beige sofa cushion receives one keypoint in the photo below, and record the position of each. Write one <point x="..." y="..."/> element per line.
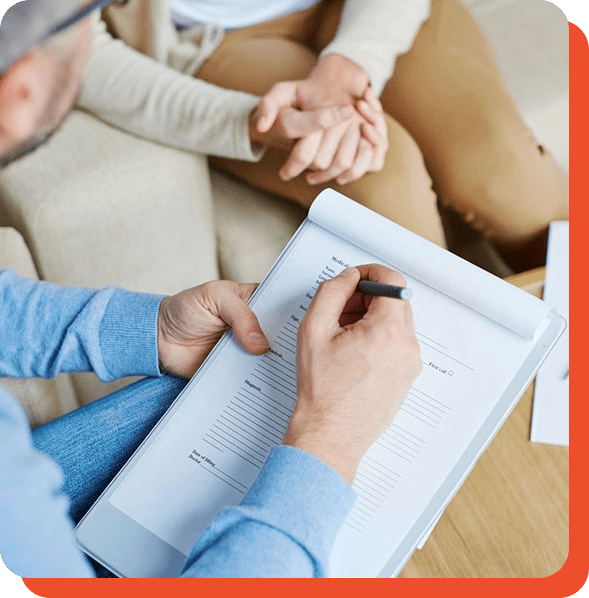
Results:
<point x="99" y="207"/>
<point x="252" y="228"/>
<point x="43" y="400"/>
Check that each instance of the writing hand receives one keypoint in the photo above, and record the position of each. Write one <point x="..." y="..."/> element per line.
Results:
<point x="191" y="323"/>
<point x="357" y="356"/>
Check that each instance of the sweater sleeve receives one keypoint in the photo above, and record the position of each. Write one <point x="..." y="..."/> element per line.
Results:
<point x="48" y="329"/>
<point x="284" y="527"/>
<point x="373" y="33"/>
<point x="141" y="96"/>
<point x="35" y="529"/>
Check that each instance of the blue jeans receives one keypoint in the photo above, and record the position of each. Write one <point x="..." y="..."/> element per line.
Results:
<point x="91" y="444"/>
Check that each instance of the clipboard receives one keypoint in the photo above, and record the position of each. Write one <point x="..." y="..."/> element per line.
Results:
<point x="462" y="313"/>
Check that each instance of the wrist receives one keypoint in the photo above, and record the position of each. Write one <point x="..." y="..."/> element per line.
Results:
<point x="343" y="72"/>
<point x="327" y="444"/>
<point x="342" y="465"/>
<point x="168" y="350"/>
<point x="254" y="134"/>
<point x="161" y="338"/>
<point x="267" y="139"/>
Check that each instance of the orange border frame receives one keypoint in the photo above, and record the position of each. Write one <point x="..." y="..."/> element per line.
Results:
<point x="564" y="583"/>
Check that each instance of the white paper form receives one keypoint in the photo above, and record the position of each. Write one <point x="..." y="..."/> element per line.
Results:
<point x="550" y="418"/>
<point x="212" y="449"/>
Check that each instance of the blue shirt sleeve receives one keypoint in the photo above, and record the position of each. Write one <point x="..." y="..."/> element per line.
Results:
<point x="35" y="529"/>
<point x="48" y="329"/>
<point x="284" y="527"/>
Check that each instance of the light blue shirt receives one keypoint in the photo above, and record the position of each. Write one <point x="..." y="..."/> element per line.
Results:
<point x="233" y="14"/>
<point x="284" y="527"/>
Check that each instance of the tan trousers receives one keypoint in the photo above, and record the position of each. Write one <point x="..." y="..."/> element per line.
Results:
<point x="454" y="131"/>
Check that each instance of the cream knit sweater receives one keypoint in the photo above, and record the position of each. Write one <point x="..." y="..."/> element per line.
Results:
<point x="143" y="82"/>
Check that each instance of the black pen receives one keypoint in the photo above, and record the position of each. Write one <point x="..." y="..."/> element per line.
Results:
<point x="383" y="290"/>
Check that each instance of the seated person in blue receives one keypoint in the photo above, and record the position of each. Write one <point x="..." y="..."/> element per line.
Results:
<point x="49" y="477"/>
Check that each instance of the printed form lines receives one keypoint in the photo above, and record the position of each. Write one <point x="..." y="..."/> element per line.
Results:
<point x="224" y="480"/>
<point x="248" y="430"/>
<point x="280" y="409"/>
<point x="282" y="390"/>
<point x="277" y="418"/>
<point x="253" y="461"/>
<point x="289" y="372"/>
<point x="424" y="408"/>
<point x="275" y="378"/>
<point x="373" y="485"/>
<point x="446" y="355"/>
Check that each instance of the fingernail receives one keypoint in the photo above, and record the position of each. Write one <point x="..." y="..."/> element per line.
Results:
<point x="349" y="271"/>
<point x="259" y="340"/>
<point x="283" y="176"/>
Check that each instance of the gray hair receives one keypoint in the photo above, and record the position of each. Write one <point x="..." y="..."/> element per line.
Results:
<point x="27" y="24"/>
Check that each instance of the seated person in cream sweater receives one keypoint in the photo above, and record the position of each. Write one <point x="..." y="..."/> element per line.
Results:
<point x="432" y="118"/>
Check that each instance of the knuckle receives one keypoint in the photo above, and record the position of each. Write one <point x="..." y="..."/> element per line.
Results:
<point x="327" y="286"/>
<point x="324" y="120"/>
<point x="278" y="87"/>
<point x="328" y="289"/>
<point x="386" y="275"/>
<point x="280" y="120"/>
<point x="300" y="158"/>
<point x="395" y="278"/>
<point x="321" y="163"/>
<point x="211" y="291"/>
<point x="284" y="124"/>
<point x="344" y="162"/>
<point x="351" y="176"/>
<point x="296" y="164"/>
<point x="212" y="286"/>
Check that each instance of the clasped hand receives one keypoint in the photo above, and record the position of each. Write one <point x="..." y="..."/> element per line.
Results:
<point x="337" y="122"/>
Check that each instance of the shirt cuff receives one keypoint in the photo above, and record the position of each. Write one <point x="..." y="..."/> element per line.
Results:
<point x="128" y="334"/>
<point x="309" y="498"/>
